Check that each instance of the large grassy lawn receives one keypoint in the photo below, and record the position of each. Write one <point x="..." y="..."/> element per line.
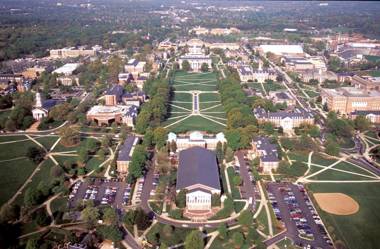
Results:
<point x="43" y="175"/>
<point x="13" y="176"/>
<point x="181" y="105"/>
<point x="47" y="141"/>
<point x="15" y="149"/>
<point x="61" y="148"/>
<point x="360" y="230"/>
<point x="194" y="123"/>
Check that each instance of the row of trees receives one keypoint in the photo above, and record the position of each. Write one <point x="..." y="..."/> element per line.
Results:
<point x="240" y="120"/>
<point x="154" y="112"/>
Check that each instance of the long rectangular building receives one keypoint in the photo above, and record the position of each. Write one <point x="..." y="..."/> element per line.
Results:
<point x="349" y="99"/>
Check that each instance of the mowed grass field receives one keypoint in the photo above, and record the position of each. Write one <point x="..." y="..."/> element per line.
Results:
<point x="211" y="117"/>
<point x="15" y="168"/>
<point x="360" y="230"/>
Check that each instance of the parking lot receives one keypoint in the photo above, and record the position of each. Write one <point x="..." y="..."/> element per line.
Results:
<point x="102" y="191"/>
<point x="293" y="207"/>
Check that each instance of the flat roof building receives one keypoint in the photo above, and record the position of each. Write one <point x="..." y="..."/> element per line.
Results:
<point x="367" y="83"/>
<point x="349" y="99"/>
<point x="67" y="69"/>
<point x="125" y="154"/>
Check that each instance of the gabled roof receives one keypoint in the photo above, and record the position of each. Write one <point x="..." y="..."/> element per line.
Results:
<point x="197" y="165"/>
<point x="50" y="103"/>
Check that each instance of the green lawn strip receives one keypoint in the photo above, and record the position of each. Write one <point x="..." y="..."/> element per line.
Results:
<point x="13" y="150"/>
<point x="275" y="222"/>
<point x="177" y="109"/>
<point x="360" y="230"/>
<point x="372" y="58"/>
<point x="228" y="242"/>
<point x="312" y="94"/>
<point x="156" y="235"/>
<point x="286" y="244"/>
<point x="272" y="86"/>
<point x="262" y="220"/>
<point x="204" y="97"/>
<point x="349" y="167"/>
<point x="195" y="123"/>
<point x="216" y="108"/>
<point x="47" y="141"/>
<point x="203" y="105"/>
<point x="224" y="181"/>
<point x="14" y="175"/>
<point x="43" y="175"/>
<point x="333" y="175"/>
<point x="373" y="140"/>
<point x="177" y="116"/>
<point x="183" y="97"/>
<point x="194" y="87"/>
<point x="188" y="106"/>
<point x="234" y="189"/>
<point x="238" y="206"/>
<point x="375" y="73"/>
<point x="12" y="138"/>
<point x="218" y="116"/>
<point x="59" y="204"/>
<point x="298" y="156"/>
<point x="321" y="160"/>
<point x="346" y="143"/>
<point x="61" y="148"/>
<point x="371" y="134"/>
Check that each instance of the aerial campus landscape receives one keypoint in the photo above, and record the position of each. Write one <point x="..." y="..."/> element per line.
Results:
<point x="189" y="124"/>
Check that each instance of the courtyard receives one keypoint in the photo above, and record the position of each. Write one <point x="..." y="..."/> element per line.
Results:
<point x="195" y="104"/>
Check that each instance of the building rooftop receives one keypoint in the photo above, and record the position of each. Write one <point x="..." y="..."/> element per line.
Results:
<point x="351" y="92"/>
<point x="197" y="165"/>
<point x="297" y="113"/>
<point x="267" y="149"/>
<point x="68" y="68"/>
<point x="125" y="152"/>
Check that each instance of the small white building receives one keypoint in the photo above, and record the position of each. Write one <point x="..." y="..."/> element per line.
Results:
<point x="42" y="107"/>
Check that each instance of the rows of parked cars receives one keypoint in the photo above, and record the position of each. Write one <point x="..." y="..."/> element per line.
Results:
<point x="75" y="188"/>
<point x="315" y="215"/>
<point x="109" y="195"/>
<point x="127" y="194"/>
<point x="273" y="202"/>
<point x="156" y="179"/>
<point x="139" y="187"/>
<point x="91" y="192"/>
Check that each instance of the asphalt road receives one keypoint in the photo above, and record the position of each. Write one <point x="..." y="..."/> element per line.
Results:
<point x="248" y="187"/>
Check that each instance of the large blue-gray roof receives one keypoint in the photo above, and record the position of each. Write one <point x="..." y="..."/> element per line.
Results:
<point x="124" y="153"/>
<point x="197" y="165"/>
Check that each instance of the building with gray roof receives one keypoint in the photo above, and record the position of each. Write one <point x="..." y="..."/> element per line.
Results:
<point x="267" y="153"/>
<point x="288" y="120"/>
